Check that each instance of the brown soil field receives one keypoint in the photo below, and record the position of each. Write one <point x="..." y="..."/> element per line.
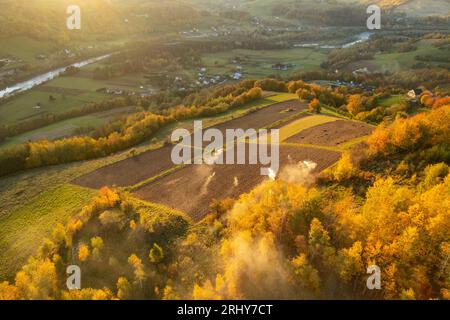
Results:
<point x="332" y="133"/>
<point x="133" y="170"/>
<point x="192" y="188"/>
<point x="130" y="171"/>
<point x="264" y="116"/>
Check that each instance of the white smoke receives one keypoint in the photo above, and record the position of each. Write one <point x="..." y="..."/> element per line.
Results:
<point x="272" y="174"/>
<point x="300" y="172"/>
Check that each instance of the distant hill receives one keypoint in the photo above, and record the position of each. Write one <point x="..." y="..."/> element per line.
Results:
<point x="414" y="7"/>
<point x="100" y="18"/>
<point x="410" y="7"/>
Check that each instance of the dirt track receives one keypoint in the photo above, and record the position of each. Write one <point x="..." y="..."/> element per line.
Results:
<point x="332" y="133"/>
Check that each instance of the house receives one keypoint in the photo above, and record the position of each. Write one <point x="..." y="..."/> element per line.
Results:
<point x="360" y="71"/>
<point x="414" y="94"/>
<point x="236" y="76"/>
<point x="282" y="66"/>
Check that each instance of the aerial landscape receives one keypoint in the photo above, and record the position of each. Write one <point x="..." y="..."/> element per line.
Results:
<point x="119" y="178"/>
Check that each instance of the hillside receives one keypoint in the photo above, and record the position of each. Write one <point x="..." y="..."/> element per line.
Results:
<point x="347" y="195"/>
<point x="225" y="150"/>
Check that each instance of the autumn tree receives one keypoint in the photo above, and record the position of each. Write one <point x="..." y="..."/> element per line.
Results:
<point x="305" y="94"/>
<point x="97" y="245"/>
<point x="356" y="104"/>
<point x="83" y="252"/>
<point x="37" y="280"/>
<point x="138" y="268"/>
<point x="314" y="106"/>
<point x="307" y="277"/>
<point x="123" y="288"/>
<point x="345" y="169"/>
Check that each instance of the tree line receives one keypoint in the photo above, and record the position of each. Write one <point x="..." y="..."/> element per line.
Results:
<point x="136" y="129"/>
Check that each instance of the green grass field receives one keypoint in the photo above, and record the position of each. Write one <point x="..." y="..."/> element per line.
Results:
<point x="23" y="107"/>
<point x="398" y="61"/>
<point x="67" y="127"/>
<point x="23" y="230"/>
<point x="389" y="101"/>
<point x="69" y="93"/>
<point x="24" y="48"/>
<point x="258" y="63"/>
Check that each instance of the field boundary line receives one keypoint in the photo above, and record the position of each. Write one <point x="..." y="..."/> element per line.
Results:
<point x="313" y="146"/>
<point x="283" y="121"/>
<point x="349" y="144"/>
<point x="143" y="183"/>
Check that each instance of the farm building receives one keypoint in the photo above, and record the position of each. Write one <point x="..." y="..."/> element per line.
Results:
<point x="282" y="66"/>
<point x="414" y="94"/>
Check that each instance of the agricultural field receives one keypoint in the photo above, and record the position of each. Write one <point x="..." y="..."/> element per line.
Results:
<point x="68" y="93"/>
<point x="23" y="57"/>
<point x="130" y="171"/>
<point x="302" y="124"/>
<point x="18" y="189"/>
<point x="398" y="61"/>
<point x="258" y="63"/>
<point x="24" y="49"/>
<point x="193" y="188"/>
<point x="146" y="165"/>
<point x="67" y="128"/>
<point x="332" y="133"/>
<point x="207" y="183"/>
<point x="153" y="177"/>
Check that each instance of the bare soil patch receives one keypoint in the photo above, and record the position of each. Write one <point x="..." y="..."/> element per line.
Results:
<point x="130" y="171"/>
<point x="332" y="133"/>
<point x="193" y="188"/>
<point x="264" y="116"/>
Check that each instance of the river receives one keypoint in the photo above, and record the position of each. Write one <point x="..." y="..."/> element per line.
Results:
<point x="360" y="38"/>
<point x="28" y="84"/>
<point x="35" y="81"/>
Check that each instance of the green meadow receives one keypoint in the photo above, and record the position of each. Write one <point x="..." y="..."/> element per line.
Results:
<point x="24" y="228"/>
<point x="397" y="61"/>
<point x="258" y="63"/>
